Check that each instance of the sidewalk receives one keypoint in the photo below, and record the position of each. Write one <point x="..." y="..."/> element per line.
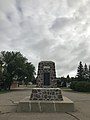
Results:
<point x="8" y="110"/>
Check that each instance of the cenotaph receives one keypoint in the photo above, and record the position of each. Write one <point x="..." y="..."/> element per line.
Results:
<point x="46" y="97"/>
<point x="46" y="83"/>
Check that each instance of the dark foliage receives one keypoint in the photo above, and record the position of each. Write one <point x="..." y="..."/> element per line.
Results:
<point x="80" y="71"/>
<point x="14" y="67"/>
<point x="81" y="86"/>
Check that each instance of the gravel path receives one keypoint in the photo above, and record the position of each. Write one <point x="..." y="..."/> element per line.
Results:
<point x="7" y="109"/>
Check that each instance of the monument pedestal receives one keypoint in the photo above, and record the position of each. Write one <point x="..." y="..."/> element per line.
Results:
<point x="46" y="98"/>
<point x="46" y="94"/>
<point x="27" y="105"/>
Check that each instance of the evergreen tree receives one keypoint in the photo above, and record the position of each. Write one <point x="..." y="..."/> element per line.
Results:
<point x="85" y="72"/>
<point x="89" y="72"/>
<point x="80" y="71"/>
<point x="68" y="79"/>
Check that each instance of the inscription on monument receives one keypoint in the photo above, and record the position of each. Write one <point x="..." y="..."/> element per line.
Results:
<point x="46" y="67"/>
<point x="46" y="78"/>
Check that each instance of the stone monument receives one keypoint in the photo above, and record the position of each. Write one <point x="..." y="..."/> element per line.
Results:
<point x="46" y="83"/>
<point x="46" y="97"/>
<point x="46" y="76"/>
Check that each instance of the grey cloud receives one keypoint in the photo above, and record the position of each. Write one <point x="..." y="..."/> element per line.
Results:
<point x="19" y="7"/>
<point x="41" y="45"/>
<point x="47" y="30"/>
<point x="73" y="3"/>
<point x="9" y="17"/>
<point x="82" y="47"/>
<point x="60" y="23"/>
<point x="66" y="68"/>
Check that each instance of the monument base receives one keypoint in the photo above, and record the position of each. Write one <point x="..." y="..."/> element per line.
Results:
<point x="46" y="94"/>
<point x="27" y="105"/>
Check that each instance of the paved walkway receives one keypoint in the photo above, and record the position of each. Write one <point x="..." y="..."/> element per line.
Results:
<point x="8" y="110"/>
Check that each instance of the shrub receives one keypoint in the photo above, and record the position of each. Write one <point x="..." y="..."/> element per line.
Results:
<point x="73" y="85"/>
<point x="80" y="86"/>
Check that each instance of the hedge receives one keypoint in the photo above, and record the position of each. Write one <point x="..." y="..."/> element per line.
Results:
<point x="82" y="86"/>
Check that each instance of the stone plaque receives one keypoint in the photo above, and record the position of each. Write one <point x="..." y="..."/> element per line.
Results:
<point x="46" y="78"/>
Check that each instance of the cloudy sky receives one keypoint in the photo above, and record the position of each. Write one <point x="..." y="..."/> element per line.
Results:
<point x="56" y="30"/>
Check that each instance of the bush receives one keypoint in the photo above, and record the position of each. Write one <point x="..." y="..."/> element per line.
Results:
<point x="73" y="85"/>
<point x="80" y="86"/>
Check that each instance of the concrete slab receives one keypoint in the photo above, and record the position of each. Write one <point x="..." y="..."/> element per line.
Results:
<point x="26" y="105"/>
<point x="47" y="106"/>
<point x="34" y="107"/>
<point x="23" y="106"/>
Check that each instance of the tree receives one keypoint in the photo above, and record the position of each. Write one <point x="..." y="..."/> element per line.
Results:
<point x="80" y="71"/>
<point x="15" y="66"/>
<point x="1" y="75"/>
<point x="89" y="72"/>
<point x="63" y="81"/>
<point x="29" y="72"/>
<point x="1" y="70"/>
<point x="68" y="79"/>
<point x="12" y="62"/>
<point x="85" y="72"/>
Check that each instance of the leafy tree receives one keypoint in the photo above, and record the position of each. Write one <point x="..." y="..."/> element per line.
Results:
<point x="34" y="79"/>
<point x="29" y="72"/>
<point x="80" y="71"/>
<point x="15" y="66"/>
<point x="12" y="61"/>
<point x="1" y="70"/>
